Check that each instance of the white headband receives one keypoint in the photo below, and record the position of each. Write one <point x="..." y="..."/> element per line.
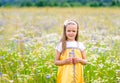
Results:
<point x="69" y="21"/>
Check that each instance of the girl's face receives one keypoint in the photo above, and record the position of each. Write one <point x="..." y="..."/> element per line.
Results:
<point x="71" y="31"/>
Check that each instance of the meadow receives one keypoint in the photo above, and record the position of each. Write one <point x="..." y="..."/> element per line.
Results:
<point x="28" y="37"/>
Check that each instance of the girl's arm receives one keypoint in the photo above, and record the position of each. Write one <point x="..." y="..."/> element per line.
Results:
<point x="82" y="60"/>
<point x="61" y="62"/>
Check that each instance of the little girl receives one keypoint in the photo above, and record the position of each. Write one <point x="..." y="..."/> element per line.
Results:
<point x="70" y="55"/>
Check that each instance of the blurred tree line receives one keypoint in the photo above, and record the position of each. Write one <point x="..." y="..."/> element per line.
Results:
<point x="59" y="3"/>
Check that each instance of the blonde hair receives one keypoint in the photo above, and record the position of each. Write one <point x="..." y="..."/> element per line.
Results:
<point x="64" y="37"/>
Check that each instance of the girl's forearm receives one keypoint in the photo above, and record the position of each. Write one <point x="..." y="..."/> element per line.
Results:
<point x="83" y="61"/>
<point x="59" y="62"/>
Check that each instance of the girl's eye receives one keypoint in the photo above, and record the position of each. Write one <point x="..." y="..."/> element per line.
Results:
<point x="71" y="31"/>
<point x="74" y="31"/>
<point x="68" y="30"/>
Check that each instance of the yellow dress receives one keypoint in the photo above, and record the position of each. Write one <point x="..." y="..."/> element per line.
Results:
<point x="70" y="73"/>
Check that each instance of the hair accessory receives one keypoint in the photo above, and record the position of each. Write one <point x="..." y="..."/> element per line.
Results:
<point x="69" y="21"/>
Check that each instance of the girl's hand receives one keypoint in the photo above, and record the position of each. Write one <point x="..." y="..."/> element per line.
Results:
<point x="68" y="61"/>
<point x="76" y="60"/>
<point x="79" y="60"/>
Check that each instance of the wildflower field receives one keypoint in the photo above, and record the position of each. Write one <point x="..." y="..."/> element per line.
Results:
<point x="28" y="37"/>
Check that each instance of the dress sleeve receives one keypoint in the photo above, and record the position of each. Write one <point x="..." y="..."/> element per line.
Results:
<point x="59" y="47"/>
<point x="81" y="46"/>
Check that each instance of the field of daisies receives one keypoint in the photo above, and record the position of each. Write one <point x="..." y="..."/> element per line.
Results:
<point x="28" y="37"/>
